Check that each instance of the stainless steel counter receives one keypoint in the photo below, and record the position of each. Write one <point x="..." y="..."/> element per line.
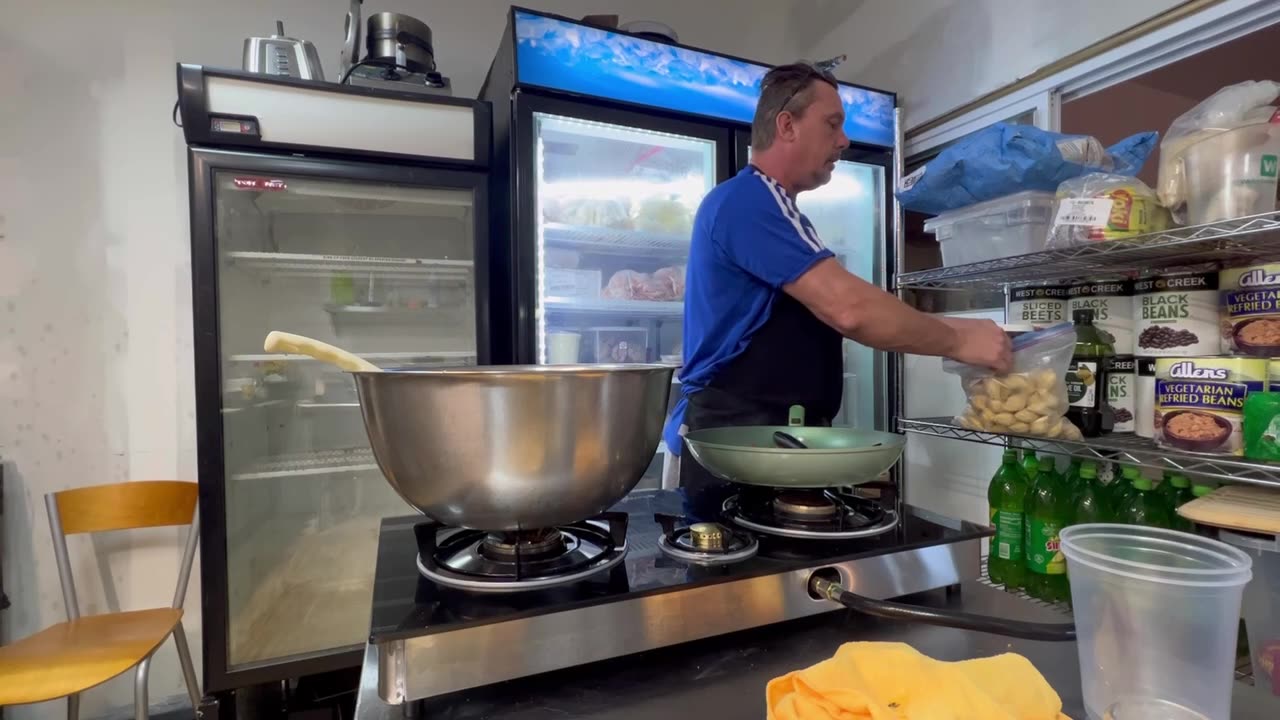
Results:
<point x="724" y="677"/>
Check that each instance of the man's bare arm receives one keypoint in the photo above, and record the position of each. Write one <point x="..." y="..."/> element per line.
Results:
<point x="863" y="312"/>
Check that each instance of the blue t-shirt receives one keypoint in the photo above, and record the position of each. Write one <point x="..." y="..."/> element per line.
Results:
<point x="749" y="239"/>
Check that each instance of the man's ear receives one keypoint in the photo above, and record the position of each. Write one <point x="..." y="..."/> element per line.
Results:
<point x="785" y="126"/>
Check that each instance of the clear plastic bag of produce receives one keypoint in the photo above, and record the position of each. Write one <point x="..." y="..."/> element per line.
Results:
<point x="1233" y="106"/>
<point x="1004" y="159"/>
<point x="1103" y="206"/>
<point x="1029" y="400"/>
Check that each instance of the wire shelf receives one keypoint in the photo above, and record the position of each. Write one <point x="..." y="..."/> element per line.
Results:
<point x="1119" y="447"/>
<point x="985" y="579"/>
<point x="305" y="265"/>
<point x="614" y="241"/>
<point x="628" y="308"/>
<point x="317" y="462"/>
<point x="1238" y="240"/>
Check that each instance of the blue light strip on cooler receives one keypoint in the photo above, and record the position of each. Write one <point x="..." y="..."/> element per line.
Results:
<point x="561" y="55"/>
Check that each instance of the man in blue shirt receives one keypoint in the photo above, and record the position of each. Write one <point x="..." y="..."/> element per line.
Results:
<point x="766" y="305"/>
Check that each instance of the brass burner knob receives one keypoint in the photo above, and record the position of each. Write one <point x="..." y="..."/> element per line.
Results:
<point x="707" y="536"/>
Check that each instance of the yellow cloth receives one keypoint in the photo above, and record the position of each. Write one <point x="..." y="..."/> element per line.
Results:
<point x="891" y="681"/>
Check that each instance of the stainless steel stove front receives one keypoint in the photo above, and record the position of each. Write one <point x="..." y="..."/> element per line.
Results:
<point x="444" y="662"/>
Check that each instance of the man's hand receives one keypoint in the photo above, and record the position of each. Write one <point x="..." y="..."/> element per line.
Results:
<point x="981" y="343"/>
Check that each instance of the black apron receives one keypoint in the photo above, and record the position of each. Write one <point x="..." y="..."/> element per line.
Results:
<point x="793" y="359"/>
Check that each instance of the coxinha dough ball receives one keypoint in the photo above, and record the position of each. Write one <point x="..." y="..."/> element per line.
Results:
<point x="1027" y="403"/>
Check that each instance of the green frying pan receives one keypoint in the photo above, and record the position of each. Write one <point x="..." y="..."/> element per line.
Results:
<point x="830" y="457"/>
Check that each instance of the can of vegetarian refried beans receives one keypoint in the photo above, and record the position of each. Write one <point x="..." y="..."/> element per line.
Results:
<point x="1250" y="310"/>
<point x="1200" y="401"/>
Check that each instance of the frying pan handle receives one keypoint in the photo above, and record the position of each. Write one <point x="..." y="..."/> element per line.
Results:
<point x="1064" y="632"/>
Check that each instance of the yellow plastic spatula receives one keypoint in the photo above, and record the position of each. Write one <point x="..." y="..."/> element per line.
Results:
<point x="282" y="342"/>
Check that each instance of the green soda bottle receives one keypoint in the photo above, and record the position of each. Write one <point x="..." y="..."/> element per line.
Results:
<point x="1006" y="563"/>
<point x="1145" y="506"/>
<point x="1091" y="502"/>
<point x="1030" y="465"/>
<point x="1049" y="509"/>
<point x="1122" y="489"/>
<point x="1175" y="491"/>
<point x="1071" y="478"/>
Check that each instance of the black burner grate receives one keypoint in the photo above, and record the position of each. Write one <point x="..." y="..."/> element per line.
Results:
<point x="515" y="557"/>
<point x="768" y="507"/>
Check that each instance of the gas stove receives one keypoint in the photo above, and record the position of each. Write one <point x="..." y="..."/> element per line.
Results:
<point x="455" y="609"/>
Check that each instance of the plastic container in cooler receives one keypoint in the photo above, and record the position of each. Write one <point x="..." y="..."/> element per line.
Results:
<point x="1262" y="606"/>
<point x="1157" y="615"/>
<point x="1232" y="174"/>
<point x="1012" y="225"/>
<point x="566" y="283"/>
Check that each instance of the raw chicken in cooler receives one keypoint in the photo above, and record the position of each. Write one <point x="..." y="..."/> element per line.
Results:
<point x="666" y="284"/>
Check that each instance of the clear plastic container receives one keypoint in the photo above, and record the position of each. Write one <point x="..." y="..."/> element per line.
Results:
<point x="1012" y="225"/>
<point x="1232" y="174"/>
<point x="1262" y="606"/>
<point x="1157" y="613"/>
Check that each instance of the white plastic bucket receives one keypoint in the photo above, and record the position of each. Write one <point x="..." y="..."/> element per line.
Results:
<point x="1232" y="174"/>
<point x="1157" y="613"/>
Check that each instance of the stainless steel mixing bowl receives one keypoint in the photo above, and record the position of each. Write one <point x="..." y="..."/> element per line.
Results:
<point x="514" y="447"/>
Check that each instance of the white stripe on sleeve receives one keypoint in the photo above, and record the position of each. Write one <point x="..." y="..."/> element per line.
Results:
<point x="779" y="196"/>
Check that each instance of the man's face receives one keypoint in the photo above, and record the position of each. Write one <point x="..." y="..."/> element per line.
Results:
<point x="818" y="138"/>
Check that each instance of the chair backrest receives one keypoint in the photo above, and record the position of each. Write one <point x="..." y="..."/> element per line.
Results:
<point x="122" y="506"/>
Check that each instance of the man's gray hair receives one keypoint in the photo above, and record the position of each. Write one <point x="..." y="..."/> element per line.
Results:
<point x="784" y="88"/>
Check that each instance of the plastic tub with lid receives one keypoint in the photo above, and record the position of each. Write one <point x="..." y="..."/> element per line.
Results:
<point x="1232" y="174"/>
<point x="1262" y="606"/>
<point x="1157" y="613"/>
<point x="1012" y="225"/>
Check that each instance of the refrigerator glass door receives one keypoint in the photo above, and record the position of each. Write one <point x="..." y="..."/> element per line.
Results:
<point x="615" y="210"/>
<point x="848" y="213"/>
<point x="385" y="271"/>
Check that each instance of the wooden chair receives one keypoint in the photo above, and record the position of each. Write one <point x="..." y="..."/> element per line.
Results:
<point x="71" y="657"/>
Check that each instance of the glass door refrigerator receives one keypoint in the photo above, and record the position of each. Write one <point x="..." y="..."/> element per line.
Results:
<point x="853" y="216"/>
<point x="355" y="216"/>
<point x="607" y="142"/>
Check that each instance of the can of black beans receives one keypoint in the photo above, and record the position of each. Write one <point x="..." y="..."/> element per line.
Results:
<point x="1144" y="402"/>
<point x="1121" y="391"/>
<point x="1176" y="314"/>
<point x="1112" y="304"/>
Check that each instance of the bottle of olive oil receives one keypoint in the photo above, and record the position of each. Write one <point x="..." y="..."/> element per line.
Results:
<point x="1087" y="378"/>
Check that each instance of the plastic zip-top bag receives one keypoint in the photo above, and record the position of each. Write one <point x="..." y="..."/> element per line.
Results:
<point x="1031" y="399"/>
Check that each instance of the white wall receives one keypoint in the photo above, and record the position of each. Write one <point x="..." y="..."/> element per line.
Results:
<point x="941" y="54"/>
<point x="95" y="330"/>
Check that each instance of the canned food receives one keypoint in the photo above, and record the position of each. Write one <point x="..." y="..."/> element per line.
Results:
<point x="1176" y="315"/>
<point x="1144" y="401"/>
<point x="1250" y="310"/>
<point x="1121" y="390"/>
<point x="1112" y="304"/>
<point x="1040" y="306"/>
<point x="1200" y="401"/>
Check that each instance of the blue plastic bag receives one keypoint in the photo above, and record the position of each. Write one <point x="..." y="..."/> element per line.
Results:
<point x="1004" y="159"/>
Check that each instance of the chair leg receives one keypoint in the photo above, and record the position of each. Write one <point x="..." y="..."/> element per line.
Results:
<point x="73" y="707"/>
<point x="188" y="669"/>
<point x="140" y="701"/>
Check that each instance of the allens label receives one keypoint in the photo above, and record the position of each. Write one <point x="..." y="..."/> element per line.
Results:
<point x="1189" y="371"/>
<point x="1222" y="396"/>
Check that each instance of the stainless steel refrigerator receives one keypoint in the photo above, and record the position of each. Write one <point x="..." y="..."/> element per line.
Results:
<point x="356" y="216"/>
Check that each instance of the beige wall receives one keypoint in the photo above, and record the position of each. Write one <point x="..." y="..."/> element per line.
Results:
<point x="95" y="328"/>
<point x="941" y="54"/>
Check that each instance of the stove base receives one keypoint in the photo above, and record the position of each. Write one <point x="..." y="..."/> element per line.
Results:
<point x="435" y="664"/>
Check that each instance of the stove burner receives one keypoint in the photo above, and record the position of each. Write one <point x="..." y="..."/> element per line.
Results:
<point x="477" y="561"/>
<point x="804" y="506"/>
<point x="704" y="543"/>
<point x="526" y="546"/>
<point x="809" y="513"/>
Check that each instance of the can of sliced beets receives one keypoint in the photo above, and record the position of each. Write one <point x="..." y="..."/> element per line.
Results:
<point x="1040" y="306"/>
<point x="1176" y="315"/>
